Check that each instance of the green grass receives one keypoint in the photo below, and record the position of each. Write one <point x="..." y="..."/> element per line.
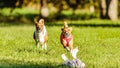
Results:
<point x="98" y="47"/>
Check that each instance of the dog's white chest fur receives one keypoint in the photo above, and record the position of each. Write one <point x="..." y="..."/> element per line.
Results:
<point x="40" y="36"/>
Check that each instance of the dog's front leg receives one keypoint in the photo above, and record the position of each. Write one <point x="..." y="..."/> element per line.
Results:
<point x="65" y="45"/>
<point x="37" y="44"/>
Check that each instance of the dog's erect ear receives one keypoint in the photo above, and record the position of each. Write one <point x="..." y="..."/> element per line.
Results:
<point x="65" y="24"/>
<point x="35" y="19"/>
<point x="41" y="21"/>
<point x="36" y="23"/>
<point x="70" y="29"/>
<point x="62" y="29"/>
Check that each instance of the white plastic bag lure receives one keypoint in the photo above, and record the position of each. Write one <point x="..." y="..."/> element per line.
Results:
<point x="75" y="63"/>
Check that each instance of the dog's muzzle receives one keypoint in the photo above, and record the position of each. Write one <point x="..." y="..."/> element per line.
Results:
<point x="38" y="29"/>
<point x="66" y="34"/>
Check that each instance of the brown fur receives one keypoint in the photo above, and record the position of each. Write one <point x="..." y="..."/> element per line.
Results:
<point x="69" y="30"/>
<point x="40" y="29"/>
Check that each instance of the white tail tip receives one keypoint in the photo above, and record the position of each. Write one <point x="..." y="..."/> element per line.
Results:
<point x="74" y="52"/>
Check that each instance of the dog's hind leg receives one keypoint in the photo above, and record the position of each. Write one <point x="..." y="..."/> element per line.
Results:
<point x="44" y="46"/>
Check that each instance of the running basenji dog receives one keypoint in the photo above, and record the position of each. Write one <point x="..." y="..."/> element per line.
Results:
<point x="66" y="37"/>
<point x="40" y="34"/>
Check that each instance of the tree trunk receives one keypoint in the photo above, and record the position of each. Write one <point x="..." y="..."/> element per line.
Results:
<point x="108" y="9"/>
<point x="92" y="8"/>
<point x="113" y="10"/>
<point x="104" y="9"/>
<point x="44" y="9"/>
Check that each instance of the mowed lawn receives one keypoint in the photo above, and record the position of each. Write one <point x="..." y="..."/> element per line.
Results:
<point x="99" y="47"/>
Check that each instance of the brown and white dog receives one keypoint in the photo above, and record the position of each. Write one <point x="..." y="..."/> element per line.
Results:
<point x="40" y="34"/>
<point x="66" y="37"/>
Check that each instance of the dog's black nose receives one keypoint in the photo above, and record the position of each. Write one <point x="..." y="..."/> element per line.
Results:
<point x="39" y="28"/>
<point x="66" y="33"/>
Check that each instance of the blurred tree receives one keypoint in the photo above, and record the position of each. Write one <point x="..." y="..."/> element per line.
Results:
<point x="74" y="3"/>
<point x="113" y="10"/>
<point x="44" y="9"/>
<point x="7" y="3"/>
<point x="19" y="3"/>
<point x="92" y="8"/>
<point x="109" y="9"/>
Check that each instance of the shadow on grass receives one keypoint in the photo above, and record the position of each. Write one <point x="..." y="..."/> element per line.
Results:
<point x="21" y="64"/>
<point x="88" y="25"/>
<point x="96" y="25"/>
<point x="61" y="24"/>
<point x="11" y="62"/>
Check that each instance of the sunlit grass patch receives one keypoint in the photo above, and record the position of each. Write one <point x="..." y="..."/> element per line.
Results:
<point x="98" y="46"/>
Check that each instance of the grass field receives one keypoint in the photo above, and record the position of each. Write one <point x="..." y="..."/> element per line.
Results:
<point x="99" y="47"/>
